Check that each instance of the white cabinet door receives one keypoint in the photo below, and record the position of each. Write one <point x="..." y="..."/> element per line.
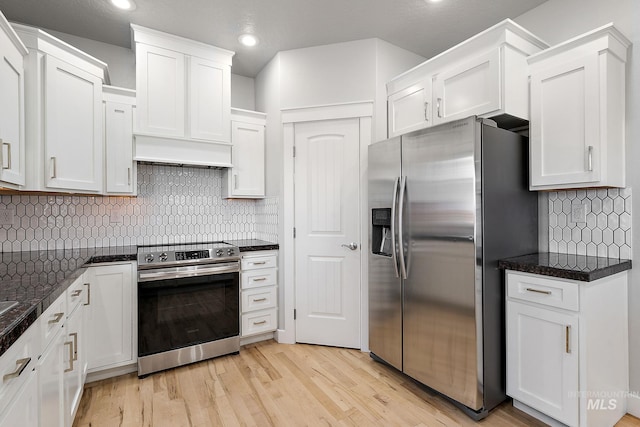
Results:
<point x="118" y="137"/>
<point x="74" y="363"/>
<point x="471" y="87"/>
<point x="161" y="91"/>
<point x="542" y="360"/>
<point x="410" y="109"/>
<point x="565" y="127"/>
<point x="110" y="322"/>
<point x="210" y="100"/>
<point x="12" y="161"/>
<point x="50" y="379"/>
<point x="25" y="409"/>
<point x="73" y="127"/>
<point x="247" y="174"/>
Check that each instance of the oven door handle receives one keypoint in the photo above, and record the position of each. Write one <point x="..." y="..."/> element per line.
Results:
<point x="150" y="275"/>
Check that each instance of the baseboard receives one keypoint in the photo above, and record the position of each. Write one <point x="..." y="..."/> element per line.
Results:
<point x="110" y="373"/>
<point x="633" y="404"/>
<point x="285" y="337"/>
<point x="256" y="338"/>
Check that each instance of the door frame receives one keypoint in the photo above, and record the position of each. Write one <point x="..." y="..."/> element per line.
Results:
<point x="363" y="111"/>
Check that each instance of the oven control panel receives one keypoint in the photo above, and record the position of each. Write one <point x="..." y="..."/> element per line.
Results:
<point x="184" y="255"/>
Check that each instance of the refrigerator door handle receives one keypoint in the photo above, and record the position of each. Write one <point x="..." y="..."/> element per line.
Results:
<point x="403" y="188"/>
<point x="394" y="254"/>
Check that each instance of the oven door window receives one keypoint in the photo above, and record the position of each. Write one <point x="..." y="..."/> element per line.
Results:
<point x="176" y="313"/>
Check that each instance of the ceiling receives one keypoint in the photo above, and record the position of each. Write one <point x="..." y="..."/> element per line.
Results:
<point x="421" y="26"/>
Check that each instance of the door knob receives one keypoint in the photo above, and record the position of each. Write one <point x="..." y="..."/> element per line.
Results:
<point x="353" y="246"/>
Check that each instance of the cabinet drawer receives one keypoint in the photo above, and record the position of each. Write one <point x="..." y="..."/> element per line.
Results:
<point x="76" y="293"/>
<point x="263" y="261"/>
<point x="540" y="290"/>
<point x="16" y="363"/>
<point x="259" y="278"/>
<point x="52" y="320"/>
<point x="259" y="321"/>
<point x="259" y="298"/>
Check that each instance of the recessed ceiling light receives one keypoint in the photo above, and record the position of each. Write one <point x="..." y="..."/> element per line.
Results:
<point x="124" y="4"/>
<point x="248" y="40"/>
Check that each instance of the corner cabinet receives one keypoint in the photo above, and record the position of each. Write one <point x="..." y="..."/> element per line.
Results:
<point x="578" y="112"/>
<point x="183" y="100"/>
<point x="120" y="168"/>
<point x="63" y="92"/>
<point x="246" y="178"/>
<point x="12" y="138"/>
<point x="485" y="75"/>
<point x="567" y="348"/>
<point x="259" y="294"/>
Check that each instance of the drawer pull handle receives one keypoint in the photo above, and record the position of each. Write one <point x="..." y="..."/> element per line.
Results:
<point x="88" y="285"/>
<point x="20" y="365"/>
<point x="70" y="344"/>
<point x="567" y="342"/>
<point x="76" y="293"/>
<point x="52" y="166"/>
<point x="259" y="279"/>
<point x="56" y="318"/>
<point x="590" y="158"/>
<point x="8" y="155"/>
<point x="262" y="322"/>
<point x="74" y="335"/>
<point x="259" y="299"/>
<point x="539" y="291"/>
<point x="259" y="263"/>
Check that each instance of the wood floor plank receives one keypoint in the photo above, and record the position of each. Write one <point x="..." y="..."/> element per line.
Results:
<point x="271" y="384"/>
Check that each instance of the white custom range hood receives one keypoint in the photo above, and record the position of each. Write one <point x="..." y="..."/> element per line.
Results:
<point x="183" y="110"/>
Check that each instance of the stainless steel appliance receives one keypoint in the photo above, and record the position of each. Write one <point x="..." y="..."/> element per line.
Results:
<point x="445" y="204"/>
<point x="188" y="304"/>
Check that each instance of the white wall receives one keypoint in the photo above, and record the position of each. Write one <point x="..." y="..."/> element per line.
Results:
<point x="243" y="92"/>
<point x="558" y="20"/>
<point x="332" y="74"/>
<point x="121" y="61"/>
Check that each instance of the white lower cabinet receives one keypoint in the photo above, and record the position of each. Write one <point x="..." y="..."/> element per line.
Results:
<point x="567" y="348"/>
<point x="75" y="361"/>
<point x="24" y="410"/>
<point x="259" y="292"/>
<point x="110" y="320"/>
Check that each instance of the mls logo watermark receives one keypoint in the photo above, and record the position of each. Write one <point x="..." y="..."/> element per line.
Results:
<point x="602" y="404"/>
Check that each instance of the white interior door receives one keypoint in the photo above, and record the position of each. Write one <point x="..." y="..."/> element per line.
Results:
<point x="327" y="221"/>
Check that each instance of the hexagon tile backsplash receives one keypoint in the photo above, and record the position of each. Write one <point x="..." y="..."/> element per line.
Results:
<point x="603" y="229"/>
<point x="174" y="205"/>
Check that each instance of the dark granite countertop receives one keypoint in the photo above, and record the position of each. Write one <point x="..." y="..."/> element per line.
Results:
<point x="575" y="267"/>
<point x="36" y="279"/>
<point x="249" y="245"/>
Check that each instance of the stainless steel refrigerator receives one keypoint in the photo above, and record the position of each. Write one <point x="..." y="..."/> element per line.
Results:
<point x="445" y="203"/>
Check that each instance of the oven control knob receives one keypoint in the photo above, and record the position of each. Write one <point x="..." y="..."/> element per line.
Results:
<point x="163" y="256"/>
<point x="230" y="252"/>
<point x="219" y="252"/>
<point x="149" y="258"/>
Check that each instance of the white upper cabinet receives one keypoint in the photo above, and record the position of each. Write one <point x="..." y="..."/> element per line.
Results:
<point x="578" y="112"/>
<point x="120" y="168"/>
<point x="210" y="99"/>
<point x="485" y="75"/>
<point x="63" y="93"/>
<point x="410" y="108"/>
<point x="183" y="100"/>
<point x="246" y="178"/>
<point x="12" y="156"/>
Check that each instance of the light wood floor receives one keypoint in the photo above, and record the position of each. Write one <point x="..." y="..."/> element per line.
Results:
<point x="271" y="384"/>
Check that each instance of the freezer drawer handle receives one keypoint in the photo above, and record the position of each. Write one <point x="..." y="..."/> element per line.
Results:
<point x="539" y="291"/>
<point x="353" y="246"/>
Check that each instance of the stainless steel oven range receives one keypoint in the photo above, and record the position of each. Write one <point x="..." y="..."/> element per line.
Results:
<point x="188" y="304"/>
